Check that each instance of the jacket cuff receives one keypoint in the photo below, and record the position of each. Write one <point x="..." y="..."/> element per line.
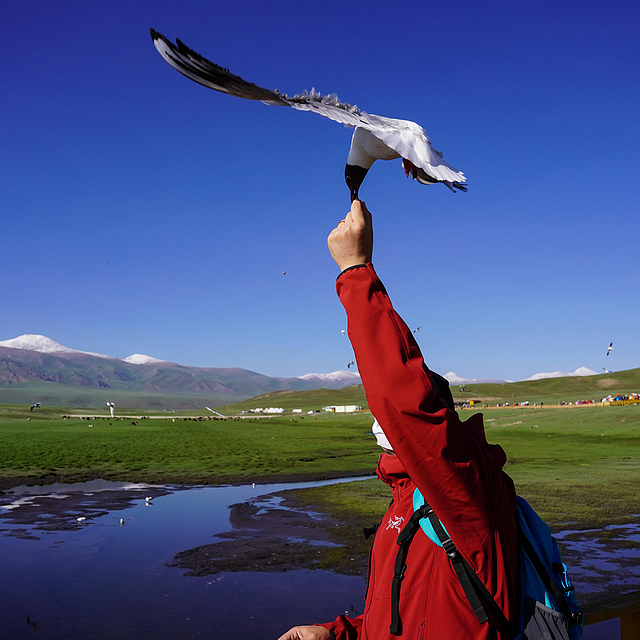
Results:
<point x="355" y="266"/>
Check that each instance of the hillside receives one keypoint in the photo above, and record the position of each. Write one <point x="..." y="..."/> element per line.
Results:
<point x="77" y="378"/>
<point x="554" y="390"/>
<point x="548" y="391"/>
<point x="59" y="376"/>
<point x="312" y="400"/>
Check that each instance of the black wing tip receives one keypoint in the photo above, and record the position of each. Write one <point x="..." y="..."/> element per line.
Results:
<point x="461" y="186"/>
<point x="156" y="35"/>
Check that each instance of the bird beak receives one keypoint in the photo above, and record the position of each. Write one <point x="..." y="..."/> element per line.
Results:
<point x="354" y="176"/>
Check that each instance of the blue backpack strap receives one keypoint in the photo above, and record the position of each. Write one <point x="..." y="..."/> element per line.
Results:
<point x="425" y="522"/>
<point x="467" y="577"/>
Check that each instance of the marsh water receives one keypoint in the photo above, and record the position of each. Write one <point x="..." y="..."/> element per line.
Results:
<point x="93" y="561"/>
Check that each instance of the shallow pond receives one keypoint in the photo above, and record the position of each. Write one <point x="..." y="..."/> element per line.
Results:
<point x="92" y="561"/>
<point x="107" y="576"/>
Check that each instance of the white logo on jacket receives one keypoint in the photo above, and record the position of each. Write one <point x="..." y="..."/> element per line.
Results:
<point x="395" y="523"/>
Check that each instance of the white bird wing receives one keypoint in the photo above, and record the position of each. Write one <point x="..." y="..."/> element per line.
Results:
<point x="406" y="138"/>
<point x="412" y="142"/>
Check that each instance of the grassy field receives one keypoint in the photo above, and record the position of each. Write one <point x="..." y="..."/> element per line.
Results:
<point x="579" y="464"/>
<point x="40" y="445"/>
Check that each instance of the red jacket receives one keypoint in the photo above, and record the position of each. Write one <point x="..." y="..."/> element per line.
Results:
<point x="457" y="471"/>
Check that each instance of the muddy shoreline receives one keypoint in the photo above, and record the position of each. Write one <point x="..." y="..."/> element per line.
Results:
<point x="7" y="483"/>
<point x="277" y="533"/>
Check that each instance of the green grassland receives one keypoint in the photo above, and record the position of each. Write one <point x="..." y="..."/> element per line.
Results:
<point x="578" y="464"/>
<point x="42" y="445"/>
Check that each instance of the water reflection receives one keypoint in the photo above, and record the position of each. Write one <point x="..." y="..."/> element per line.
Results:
<point x="100" y="579"/>
<point x="108" y="576"/>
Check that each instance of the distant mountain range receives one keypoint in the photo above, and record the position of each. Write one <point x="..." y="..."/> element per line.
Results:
<point x="454" y="378"/>
<point x="36" y="367"/>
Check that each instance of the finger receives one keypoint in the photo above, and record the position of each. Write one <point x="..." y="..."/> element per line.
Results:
<point x="356" y="213"/>
<point x="365" y="212"/>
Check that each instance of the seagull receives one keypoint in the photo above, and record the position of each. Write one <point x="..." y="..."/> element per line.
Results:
<point x="374" y="137"/>
<point x="606" y="370"/>
<point x="416" y="330"/>
<point x="34" y="406"/>
<point x="610" y="349"/>
<point x="343" y="332"/>
<point x="349" y="365"/>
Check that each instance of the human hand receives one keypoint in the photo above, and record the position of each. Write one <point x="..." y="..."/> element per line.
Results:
<point x="312" y="632"/>
<point x="351" y="242"/>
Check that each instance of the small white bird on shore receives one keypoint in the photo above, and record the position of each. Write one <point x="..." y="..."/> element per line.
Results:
<point x="374" y="137"/>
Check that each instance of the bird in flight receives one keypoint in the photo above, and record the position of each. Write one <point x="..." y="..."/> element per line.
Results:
<point x="374" y="137"/>
<point x="610" y="348"/>
<point x="351" y="363"/>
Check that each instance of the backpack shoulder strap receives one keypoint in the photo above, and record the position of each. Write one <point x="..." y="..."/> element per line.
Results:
<point x="469" y="580"/>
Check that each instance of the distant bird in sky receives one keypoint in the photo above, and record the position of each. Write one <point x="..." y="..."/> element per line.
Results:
<point x="349" y="365"/>
<point x="343" y="332"/>
<point x="34" y="406"/>
<point x="111" y="406"/>
<point x="416" y="330"/>
<point x="610" y="349"/>
<point x="374" y="137"/>
<point x="606" y="370"/>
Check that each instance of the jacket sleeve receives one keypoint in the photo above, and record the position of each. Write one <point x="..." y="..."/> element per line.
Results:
<point x="452" y="464"/>
<point x="344" y="628"/>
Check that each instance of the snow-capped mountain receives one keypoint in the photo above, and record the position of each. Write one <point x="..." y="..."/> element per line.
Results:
<point x="42" y="344"/>
<point x="39" y="360"/>
<point x="334" y="380"/>
<point x="454" y="378"/>
<point x="580" y="371"/>
<point x="140" y="358"/>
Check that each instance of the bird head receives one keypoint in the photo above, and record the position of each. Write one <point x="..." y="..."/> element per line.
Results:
<point x="354" y="177"/>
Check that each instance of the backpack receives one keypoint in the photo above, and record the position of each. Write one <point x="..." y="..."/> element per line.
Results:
<point x="546" y="606"/>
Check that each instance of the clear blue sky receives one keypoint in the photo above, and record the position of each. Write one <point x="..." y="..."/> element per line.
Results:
<point x="143" y="213"/>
